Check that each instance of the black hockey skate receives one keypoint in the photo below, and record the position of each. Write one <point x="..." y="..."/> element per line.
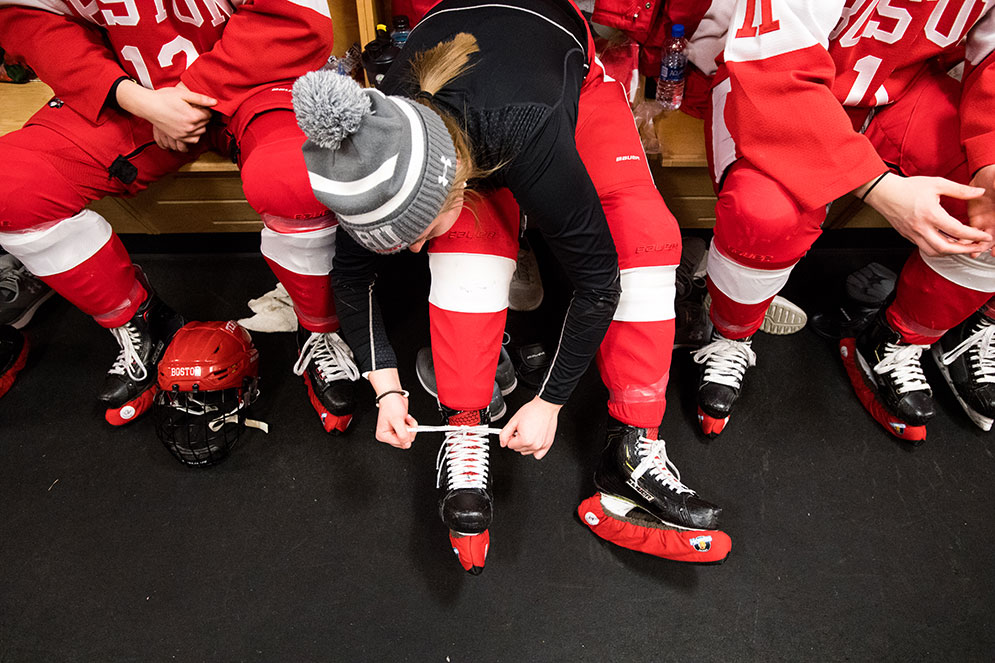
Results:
<point x="330" y="374"/>
<point x="634" y="467"/>
<point x="129" y="386"/>
<point x="466" y="504"/>
<point x="966" y="357"/>
<point x="894" y="370"/>
<point x="724" y="364"/>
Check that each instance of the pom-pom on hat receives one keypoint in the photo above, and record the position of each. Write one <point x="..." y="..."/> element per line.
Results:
<point x="383" y="164"/>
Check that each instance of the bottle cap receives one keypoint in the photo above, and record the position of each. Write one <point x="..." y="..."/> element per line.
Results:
<point x="677" y="30"/>
<point x="401" y="22"/>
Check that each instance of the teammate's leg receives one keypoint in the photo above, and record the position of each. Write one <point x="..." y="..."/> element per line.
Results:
<point x="920" y="135"/>
<point x="45" y="224"/>
<point x="634" y="358"/>
<point x="760" y="234"/>
<point x="298" y="243"/>
<point x="471" y="268"/>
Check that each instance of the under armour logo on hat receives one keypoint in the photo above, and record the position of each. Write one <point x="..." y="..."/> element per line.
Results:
<point x="446" y="165"/>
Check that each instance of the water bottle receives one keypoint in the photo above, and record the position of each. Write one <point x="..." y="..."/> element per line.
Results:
<point x="401" y="29"/>
<point x="378" y="55"/>
<point x="673" y="66"/>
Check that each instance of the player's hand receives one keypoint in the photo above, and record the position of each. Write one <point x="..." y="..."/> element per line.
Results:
<point x="168" y="143"/>
<point x="532" y="429"/>
<point x="912" y="206"/>
<point x="981" y="210"/>
<point x="393" y="421"/>
<point x="177" y="114"/>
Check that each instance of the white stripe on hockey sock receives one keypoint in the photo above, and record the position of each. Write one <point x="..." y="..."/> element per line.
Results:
<point x="647" y="294"/>
<point x="470" y="282"/>
<point x="743" y="284"/>
<point x="308" y="253"/>
<point x="60" y="247"/>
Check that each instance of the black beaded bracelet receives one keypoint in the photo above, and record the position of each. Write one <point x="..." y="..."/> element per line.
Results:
<point x="402" y="392"/>
<point x="871" y="187"/>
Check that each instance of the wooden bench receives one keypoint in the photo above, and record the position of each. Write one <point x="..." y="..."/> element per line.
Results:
<point x="206" y="195"/>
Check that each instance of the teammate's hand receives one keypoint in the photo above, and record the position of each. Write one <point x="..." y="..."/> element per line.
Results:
<point x="981" y="210"/>
<point x="912" y="206"/>
<point x="179" y="116"/>
<point x="393" y="421"/>
<point x="532" y="429"/>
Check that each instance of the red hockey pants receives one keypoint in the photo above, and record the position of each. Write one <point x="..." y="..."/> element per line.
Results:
<point x="49" y="180"/>
<point x="761" y="232"/>
<point x="472" y="266"/>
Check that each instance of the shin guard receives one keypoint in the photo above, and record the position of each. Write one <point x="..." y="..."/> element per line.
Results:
<point x="624" y="524"/>
<point x="868" y="398"/>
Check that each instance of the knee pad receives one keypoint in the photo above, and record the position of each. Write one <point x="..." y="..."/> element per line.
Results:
<point x="275" y="183"/>
<point x="759" y="224"/>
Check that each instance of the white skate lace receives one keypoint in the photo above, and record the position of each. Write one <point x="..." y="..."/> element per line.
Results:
<point x="726" y="361"/>
<point x="658" y="464"/>
<point x="981" y="343"/>
<point x="465" y="451"/>
<point x="331" y="356"/>
<point x="128" y="361"/>
<point x="902" y="361"/>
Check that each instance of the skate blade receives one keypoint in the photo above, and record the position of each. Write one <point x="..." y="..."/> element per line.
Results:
<point x="783" y="318"/>
<point x="334" y="424"/>
<point x="471" y="550"/>
<point x="645" y="534"/>
<point x="856" y="370"/>
<point x="133" y="409"/>
<point x="629" y="511"/>
<point x="711" y="426"/>
<point x="980" y="420"/>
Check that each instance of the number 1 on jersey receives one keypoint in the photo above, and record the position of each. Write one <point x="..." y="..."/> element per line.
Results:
<point x="767" y="22"/>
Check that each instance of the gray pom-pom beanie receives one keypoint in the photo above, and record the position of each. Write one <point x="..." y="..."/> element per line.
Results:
<point x="383" y="164"/>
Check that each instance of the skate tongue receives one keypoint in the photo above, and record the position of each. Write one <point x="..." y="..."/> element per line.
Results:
<point x="465" y="418"/>
<point x="652" y="433"/>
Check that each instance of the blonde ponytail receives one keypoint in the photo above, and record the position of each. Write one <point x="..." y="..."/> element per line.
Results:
<point x="433" y="70"/>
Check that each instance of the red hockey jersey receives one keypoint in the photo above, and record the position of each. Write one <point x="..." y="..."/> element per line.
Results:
<point x="804" y="72"/>
<point x="227" y="49"/>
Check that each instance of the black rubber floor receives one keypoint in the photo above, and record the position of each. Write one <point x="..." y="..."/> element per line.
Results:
<point x="847" y="544"/>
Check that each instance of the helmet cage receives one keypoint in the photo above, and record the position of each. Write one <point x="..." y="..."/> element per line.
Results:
<point x="201" y="427"/>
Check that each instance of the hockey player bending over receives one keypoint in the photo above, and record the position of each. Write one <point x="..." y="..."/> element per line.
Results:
<point x="444" y="159"/>
<point x="814" y="99"/>
<point x="143" y="88"/>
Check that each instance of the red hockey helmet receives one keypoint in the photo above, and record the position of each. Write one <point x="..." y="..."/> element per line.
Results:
<point x="208" y="377"/>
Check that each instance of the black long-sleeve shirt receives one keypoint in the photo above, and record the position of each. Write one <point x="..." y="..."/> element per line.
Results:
<point x="519" y="104"/>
